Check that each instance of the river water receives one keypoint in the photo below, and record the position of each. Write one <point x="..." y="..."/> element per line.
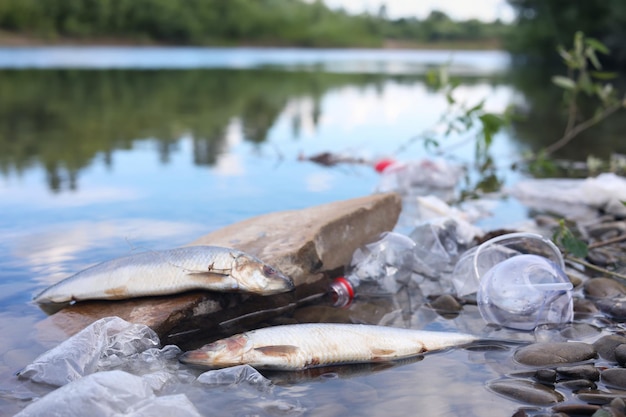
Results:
<point x="108" y="150"/>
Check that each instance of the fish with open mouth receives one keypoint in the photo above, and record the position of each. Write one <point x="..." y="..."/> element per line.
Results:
<point x="296" y="347"/>
<point x="169" y="272"/>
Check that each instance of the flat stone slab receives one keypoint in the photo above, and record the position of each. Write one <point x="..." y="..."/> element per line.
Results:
<point x="309" y="245"/>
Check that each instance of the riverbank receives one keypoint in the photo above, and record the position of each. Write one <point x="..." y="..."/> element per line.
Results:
<point x="12" y="39"/>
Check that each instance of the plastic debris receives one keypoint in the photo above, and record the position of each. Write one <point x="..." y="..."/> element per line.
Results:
<point x="100" y="345"/>
<point x="380" y="267"/>
<point x="418" y="177"/>
<point x="572" y="197"/>
<point x="236" y="375"/>
<point x="100" y="394"/>
<point x="167" y="406"/>
<point x="519" y="279"/>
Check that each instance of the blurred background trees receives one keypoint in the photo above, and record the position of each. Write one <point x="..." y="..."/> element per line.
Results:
<point x="229" y="22"/>
<point x="542" y="24"/>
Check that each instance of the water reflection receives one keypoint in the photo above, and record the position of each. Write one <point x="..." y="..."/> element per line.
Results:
<point x="64" y="120"/>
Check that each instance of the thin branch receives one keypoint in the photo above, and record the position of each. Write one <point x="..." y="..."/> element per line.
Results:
<point x="581" y="127"/>
<point x="607" y="242"/>
<point x="595" y="267"/>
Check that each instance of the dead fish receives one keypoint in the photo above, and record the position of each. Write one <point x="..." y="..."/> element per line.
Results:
<point x="295" y="347"/>
<point x="168" y="272"/>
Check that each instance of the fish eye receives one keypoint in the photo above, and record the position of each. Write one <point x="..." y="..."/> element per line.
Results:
<point x="268" y="270"/>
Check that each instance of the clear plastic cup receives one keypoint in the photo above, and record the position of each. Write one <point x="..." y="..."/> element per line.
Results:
<point x="521" y="282"/>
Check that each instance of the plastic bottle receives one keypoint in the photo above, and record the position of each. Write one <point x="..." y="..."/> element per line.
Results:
<point x="378" y="268"/>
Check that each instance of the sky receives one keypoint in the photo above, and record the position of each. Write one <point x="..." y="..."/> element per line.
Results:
<point x="486" y="10"/>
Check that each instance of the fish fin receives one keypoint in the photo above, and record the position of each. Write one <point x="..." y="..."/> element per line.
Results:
<point x="383" y="354"/>
<point x="277" y="350"/>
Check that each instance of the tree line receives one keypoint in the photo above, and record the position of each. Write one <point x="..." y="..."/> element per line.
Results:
<point x="230" y="22"/>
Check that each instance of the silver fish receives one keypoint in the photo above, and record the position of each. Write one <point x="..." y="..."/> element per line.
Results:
<point x="296" y="347"/>
<point x="168" y="272"/>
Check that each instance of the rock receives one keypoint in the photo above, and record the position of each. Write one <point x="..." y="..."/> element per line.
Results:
<point x="596" y="396"/>
<point x="614" y="378"/>
<point x="613" y="307"/>
<point x="577" y="384"/>
<point x="604" y="288"/>
<point x="589" y="372"/>
<point x="545" y="375"/>
<point x="302" y="242"/>
<point x="446" y="304"/>
<point x="584" y="307"/>
<point x="308" y="244"/>
<point x="620" y="354"/>
<point x="576" y="409"/>
<point x="606" y="345"/>
<point x="544" y="354"/>
<point x="526" y="391"/>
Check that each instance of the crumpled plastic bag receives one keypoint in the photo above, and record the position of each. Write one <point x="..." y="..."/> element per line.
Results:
<point x="235" y="376"/>
<point x="177" y="405"/>
<point x="106" y="394"/>
<point x="98" y="346"/>
<point x="567" y="196"/>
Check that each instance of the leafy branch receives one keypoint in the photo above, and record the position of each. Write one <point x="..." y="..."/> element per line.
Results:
<point x="584" y="76"/>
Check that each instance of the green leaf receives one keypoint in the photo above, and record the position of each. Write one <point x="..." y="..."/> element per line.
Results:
<point x="566" y="239"/>
<point x="477" y="107"/>
<point x="603" y="75"/>
<point x="597" y="45"/>
<point x="564" y="82"/>
<point x="591" y="54"/>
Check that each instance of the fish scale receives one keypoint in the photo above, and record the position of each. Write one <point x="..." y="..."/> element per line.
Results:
<point x="167" y="272"/>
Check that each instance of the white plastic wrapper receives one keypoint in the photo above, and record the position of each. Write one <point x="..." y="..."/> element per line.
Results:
<point x="100" y="345"/>
<point x="566" y="196"/>
<point x="234" y="376"/>
<point x="107" y="394"/>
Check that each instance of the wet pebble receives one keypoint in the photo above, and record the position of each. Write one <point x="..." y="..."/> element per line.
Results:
<point x="545" y="375"/>
<point x="606" y="345"/>
<point x="544" y="354"/>
<point x="620" y="354"/>
<point x="576" y="409"/>
<point x="589" y="372"/>
<point x="526" y="391"/>
<point x="614" y="378"/>
<point x="596" y="396"/>
<point x="613" y="307"/>
<point x="584" y="307"/>
<point x="604" y="288"/>
<point x="446" y="304"/>
<point x="577" y="384"/>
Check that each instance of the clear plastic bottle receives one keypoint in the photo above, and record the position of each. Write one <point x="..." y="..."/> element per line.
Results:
<point x="378" y="268"/>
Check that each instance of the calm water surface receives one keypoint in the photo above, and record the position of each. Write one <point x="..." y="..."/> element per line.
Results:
<point x="108" y="150"/>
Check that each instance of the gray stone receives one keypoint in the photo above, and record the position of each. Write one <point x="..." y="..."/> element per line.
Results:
<point x="545" y="375"/>
<point x="576" y="409"/>
<point x="589" y="372"/>
<point x="596" y="396"/>
<point x="606" y="345"/>
<point x="308" y="244"/>
<point x="446" y="304"/>
<point x="613" y="307"/>
<point x="604" y="288"/>
<point x="301" y="243"/>
<point x="544" y="354"/>
<point x="620" y="354"/>
<point x="526" y="391"/>
<point x="614" y="378"/>
<point x="577" y="384"/>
